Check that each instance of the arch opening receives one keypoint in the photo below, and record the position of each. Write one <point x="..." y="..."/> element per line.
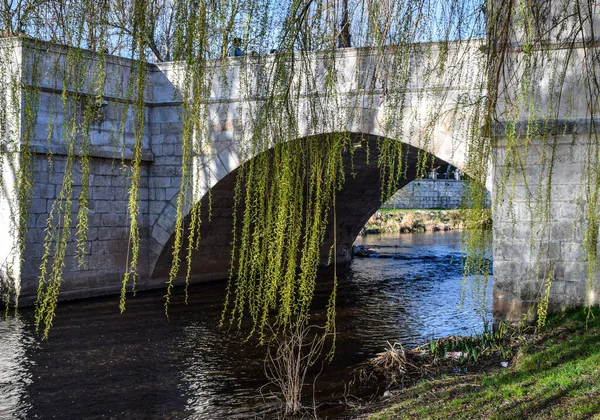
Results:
<point x="359" y="198"/>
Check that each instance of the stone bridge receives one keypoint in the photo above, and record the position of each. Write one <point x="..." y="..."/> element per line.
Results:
<point x="435" y="119"/>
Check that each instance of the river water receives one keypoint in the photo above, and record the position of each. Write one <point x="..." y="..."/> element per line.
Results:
<point x="98" y="364"/>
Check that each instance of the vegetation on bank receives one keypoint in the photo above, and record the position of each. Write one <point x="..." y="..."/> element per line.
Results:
<point x="414" y="221"/>
<point x="552" y="373"/>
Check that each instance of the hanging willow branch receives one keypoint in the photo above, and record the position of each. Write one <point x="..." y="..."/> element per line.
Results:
<point x="287" y="185"/>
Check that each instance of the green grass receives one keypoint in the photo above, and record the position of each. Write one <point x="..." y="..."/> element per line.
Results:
<point x="554" y="375"/>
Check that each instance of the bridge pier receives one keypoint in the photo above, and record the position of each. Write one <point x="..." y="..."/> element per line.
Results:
<point x="545" y="162"/>
<point x="533" y="244"/>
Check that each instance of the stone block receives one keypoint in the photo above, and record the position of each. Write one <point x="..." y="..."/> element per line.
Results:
<point x="41" y="221"/>
<point x="170" y="150"/>
<point x="156" y="207"/>
<point x="104" y="233"/>
<point x="99" y="247"/>
<point x="168" y="160"/>
<point x="117" y="207"/>
<point x="44" y="191"/>
<point x="572" y="252"/>
<point x="102" y="193"/>
<point x="94" y="219"/>
<point x="116" y="220"/>
<point x="39" y="205"/>
<point x="564" y="230"/>
<point x="119" y="181"/>
<point x="171" y="193"/>
<point x="165" y="171"/>
<point x="143" y="194"/>
<point x="171" y="128"/>
<point x="167" y="114"/>
<point x="160" y="182"/>
<point x="165" y="222"/>
<point x="98" y="206"/>
<point x="509" y="272"/>
<point x="575" y="271"/>
<point x="160" y="235"/>
<point x="56" y="178"/>
<point x="92" y="233"/>
<point x="568" y="173"/>
<point x="100" y="181"/>
<point x="121" y="193"/>
<point x="160" y="194"/>
<point x="41" y="177"/>
<point x="101" y="261"/>
<point x="171" y="138"/>
<point x="512" y="250"/>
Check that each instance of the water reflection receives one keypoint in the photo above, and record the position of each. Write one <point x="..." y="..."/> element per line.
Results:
<point x="139" y="365"/>
<point x="15" y="372"/>
<point x="220" y="374"/>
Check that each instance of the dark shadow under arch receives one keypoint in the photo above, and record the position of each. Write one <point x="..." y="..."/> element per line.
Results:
<point x="358" y="200"/>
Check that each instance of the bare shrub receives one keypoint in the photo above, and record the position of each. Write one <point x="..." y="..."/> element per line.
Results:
<point x="392" y="362"/>
<point x="395" y="364"/>
<point x="289" y="356"/>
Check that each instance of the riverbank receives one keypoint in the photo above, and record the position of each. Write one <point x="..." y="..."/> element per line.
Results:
<point x="554" y="373"/>
<point x="413" y="221"/>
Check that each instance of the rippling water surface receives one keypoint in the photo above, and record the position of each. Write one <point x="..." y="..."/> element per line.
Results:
<point x="99" y="364"/>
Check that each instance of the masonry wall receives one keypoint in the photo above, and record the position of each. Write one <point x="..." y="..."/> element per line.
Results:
<point x="106" y="246"/>
<point x="528" y="248"/>
<point x="428" y="194"/>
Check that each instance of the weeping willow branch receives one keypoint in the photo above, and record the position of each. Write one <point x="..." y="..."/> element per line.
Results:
<point x="296" y="143"/>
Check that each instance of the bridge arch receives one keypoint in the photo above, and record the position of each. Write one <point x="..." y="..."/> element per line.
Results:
<point x="358" y="200"/>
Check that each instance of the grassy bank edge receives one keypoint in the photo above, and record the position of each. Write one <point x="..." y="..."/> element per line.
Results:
<point x="413" y="221"/>
<point x="555" y="373"/>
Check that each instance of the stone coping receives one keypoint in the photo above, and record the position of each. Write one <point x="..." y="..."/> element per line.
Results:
<point x="105" y="152"/>
<point x="558" y="127"/>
